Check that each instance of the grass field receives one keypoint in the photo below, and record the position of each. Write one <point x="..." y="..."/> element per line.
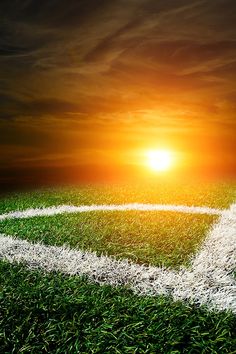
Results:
<point x="57" y="313"/>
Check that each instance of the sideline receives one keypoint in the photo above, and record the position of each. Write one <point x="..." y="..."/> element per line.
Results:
<point x="55" y="210"/>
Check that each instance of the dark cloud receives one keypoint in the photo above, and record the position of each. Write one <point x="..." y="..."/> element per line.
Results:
<point x="53" y="12"/>
<point x="11" y="107"/>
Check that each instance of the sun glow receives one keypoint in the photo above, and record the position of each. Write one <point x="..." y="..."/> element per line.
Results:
<point x="159" y="160"/>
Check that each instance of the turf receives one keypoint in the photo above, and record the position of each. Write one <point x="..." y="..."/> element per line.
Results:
<point x="55" y="313"/>
<point x="158" y="238"/>
<point x="215" y="195"/>
<point x="52" y="313"/>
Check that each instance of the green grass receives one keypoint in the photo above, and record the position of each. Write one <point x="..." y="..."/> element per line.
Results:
<point x="52" y="313"/>
<point x="55" y="313"/>
<point x="209" y="194"/>
<point x="159" y="238"/>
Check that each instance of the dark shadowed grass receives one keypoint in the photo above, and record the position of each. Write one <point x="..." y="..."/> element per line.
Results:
<point x="53" y="313"/>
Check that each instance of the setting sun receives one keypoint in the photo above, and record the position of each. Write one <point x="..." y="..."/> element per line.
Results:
<point x="159" y="160"/>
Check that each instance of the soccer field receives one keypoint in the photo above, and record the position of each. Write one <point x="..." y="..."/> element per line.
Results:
<point x="119" y="269"/>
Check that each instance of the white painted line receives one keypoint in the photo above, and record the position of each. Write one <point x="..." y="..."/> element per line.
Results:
<point x="55" y="210"/>
<point x="208" y="281"/>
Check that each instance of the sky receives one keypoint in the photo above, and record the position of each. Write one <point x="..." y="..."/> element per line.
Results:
<point x="86" y="87"/>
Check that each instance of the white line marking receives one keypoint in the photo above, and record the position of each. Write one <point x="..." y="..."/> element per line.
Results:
<point x="54" y="210"/>
<point x="209" y="280"/>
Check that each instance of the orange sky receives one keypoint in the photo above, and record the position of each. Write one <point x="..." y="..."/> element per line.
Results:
<point x="86" y="87"/>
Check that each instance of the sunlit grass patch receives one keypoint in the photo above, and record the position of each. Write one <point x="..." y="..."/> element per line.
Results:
<point x="158" y="238"/>
<point x="215" y="195"/>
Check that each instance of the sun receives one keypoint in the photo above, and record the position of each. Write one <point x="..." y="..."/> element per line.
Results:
<point x="159" y="160"/>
